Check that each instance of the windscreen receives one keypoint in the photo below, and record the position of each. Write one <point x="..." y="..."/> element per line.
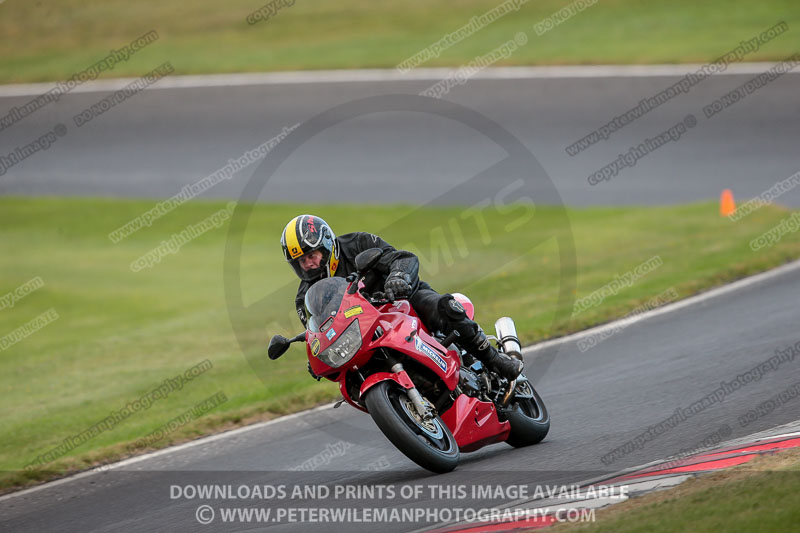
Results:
<point x="323" y="300"/>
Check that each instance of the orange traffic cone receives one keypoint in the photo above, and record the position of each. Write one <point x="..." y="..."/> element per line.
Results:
<point x="727" y="206"/>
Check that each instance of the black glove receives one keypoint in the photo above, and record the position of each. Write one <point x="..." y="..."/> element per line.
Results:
<point x="399" y="284"/>
<point x="313" y="375"/>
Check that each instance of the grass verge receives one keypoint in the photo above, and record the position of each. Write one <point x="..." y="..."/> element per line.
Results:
<point x="121" y="334"/>
<point x="50" y="41"/>
<point x="762" y="495"/>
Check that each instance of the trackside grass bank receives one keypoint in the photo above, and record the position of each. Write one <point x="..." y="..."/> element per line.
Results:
<point x="763" y="495"/>
<point x="108" y="350"/>
<point x="51" y="41"/>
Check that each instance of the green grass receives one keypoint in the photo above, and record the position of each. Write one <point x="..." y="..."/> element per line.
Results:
<point x="50" y="40"/>
<point x="763" y="496"/>
<point x="120" y="333"/>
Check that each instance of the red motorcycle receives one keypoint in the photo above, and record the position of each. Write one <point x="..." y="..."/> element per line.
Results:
<point x="431" y="399"/>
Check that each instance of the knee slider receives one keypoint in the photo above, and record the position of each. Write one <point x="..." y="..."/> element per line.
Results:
<point x="451" y="309"/>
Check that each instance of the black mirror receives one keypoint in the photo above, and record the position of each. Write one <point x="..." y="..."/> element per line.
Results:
<point x="278" y="346"/>
<point x="368" y="259"/>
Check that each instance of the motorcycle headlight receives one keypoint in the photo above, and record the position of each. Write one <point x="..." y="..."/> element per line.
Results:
<point x="344" y="348"/>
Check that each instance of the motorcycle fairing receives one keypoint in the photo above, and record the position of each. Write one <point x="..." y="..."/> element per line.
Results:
<point x="474" y="423"/>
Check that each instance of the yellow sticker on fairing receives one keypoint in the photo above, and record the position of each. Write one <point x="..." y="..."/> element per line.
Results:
<point x="315" y="347"/>
<point x="353" y="311"/>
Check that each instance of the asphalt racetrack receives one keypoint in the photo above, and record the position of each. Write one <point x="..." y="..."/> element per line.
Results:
<point x="598" y="399"/>
<point x="159" y="140"/>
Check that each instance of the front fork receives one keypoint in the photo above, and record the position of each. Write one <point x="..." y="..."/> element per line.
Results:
<point x="424" y="408"/>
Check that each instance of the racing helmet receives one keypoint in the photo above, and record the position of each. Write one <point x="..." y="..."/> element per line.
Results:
<point x="304" y="234"/>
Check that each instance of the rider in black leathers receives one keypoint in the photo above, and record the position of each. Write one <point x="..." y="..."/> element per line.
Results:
<point x="314" y="252"/>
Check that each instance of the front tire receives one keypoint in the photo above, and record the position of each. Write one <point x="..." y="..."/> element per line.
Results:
<point x="430" y="443"/>
<point x="528" y="416"/>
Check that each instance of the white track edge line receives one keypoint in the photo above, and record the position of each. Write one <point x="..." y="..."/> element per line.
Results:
<point x="164" y="451"/>
<point x="669" y="308"/>
<point x="719" y="291"/>
<point x="388" y="75"/>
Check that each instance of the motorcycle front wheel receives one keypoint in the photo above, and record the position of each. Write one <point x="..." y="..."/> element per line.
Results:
<point x="429" y="443"/>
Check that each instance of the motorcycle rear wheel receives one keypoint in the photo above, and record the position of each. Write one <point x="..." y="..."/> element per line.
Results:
<point x="429" y="443"/>
<point x="528" y="416"/>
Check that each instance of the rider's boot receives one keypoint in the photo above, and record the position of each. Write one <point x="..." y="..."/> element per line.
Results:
<point x="473" y="340"/>
<point x="479" y="346"/>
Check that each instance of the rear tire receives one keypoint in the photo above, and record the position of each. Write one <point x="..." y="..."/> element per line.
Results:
<point x="528" y="416"/>
<point x="429" y="444"/>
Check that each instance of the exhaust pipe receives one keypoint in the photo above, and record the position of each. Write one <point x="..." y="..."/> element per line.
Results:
<point x="507" y="336"/>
